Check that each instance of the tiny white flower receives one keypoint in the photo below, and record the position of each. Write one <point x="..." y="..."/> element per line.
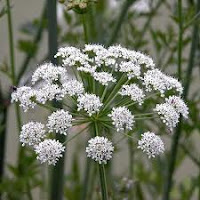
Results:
<point x="100" y="149"/>
<point x="151" y="144"/>
<point x="132" y="69"/>
<point x="72" y="56"/>
<point x="168" y="115"/>
<point x="178" y="104"/>
<point x="134" y="92"/>
<point x="49" y="151"/>
<point x="90" y="103"/>
<point x="156" y="80"/>
<point x="32" y="133"/>
<point x="103" y="77"/>
<point x="48" y="92"/>
<point x="87" y="68"/>
<point x="59" y="121"/>
<point x="73" y="87"/>
<point x="122" y="118"/>
<point x="24" y="95"/>
<point x="49" y="73"/>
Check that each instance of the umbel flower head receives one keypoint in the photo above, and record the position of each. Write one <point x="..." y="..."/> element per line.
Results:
<point x="32" y="133"/>
<point x="49" y="151"/>
<point x="59" y="121"/>
<point x="112" y="88"/>
<point x="100" y="149"/>
<point x="151" y="144"/>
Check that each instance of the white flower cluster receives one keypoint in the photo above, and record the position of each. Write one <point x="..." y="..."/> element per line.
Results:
<point x="49" y="151"/>
<point x="48" y="92"/>
<point x="122" y="118"/>
<point x="49" y="73"/>
<point x="59" y="121"/>
<point x="179" y="105"/>
<point x="132" y="69"/>
<point x="168" y="115"/>
<point x="32" y="133"/>
<point x="90" y="103"/>
<point x="171" y="110"/>
<point x="151" y="144"/>
<point x="103" y="77"/>
<point x="156" y="80"/>
<point x="111" y="67"/>
<point x="99" y="149"/>
<point x="24" y="95"/>
<point x="134" y="92"/>
<point x="72" y="88"/>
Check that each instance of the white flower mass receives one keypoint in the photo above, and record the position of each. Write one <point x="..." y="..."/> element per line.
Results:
<point x="49" y="151"/>
<point x="122" y="118"/>
<point x="72" y="88"/>
<point x="151" y="144"/>
<point x="168" y="115"/>
<point x="134" y="92"/>
<point x="24" y="95"/>
<point x="59" y="121"/>
<point x="103" y="77"/>
<point x="32" y="133"/>
<point x="100" y="149"/>
<point x="50" y="73"/>
<point x="107" y="86"/>
<point x="90" y="103"/>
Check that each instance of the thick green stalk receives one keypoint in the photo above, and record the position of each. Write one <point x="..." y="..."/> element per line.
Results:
<point x="102" y="174"/>
<point x="180" y="40"/>
<point x="103" y="182"/>
<point x="21" y="152"/>
<point x="175" y="142"/>
<point x="57" y="172"/>
<point x="3" y="129"/>
<point x="85" y="28"/>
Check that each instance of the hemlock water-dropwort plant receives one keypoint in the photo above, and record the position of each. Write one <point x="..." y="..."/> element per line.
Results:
<point x="105" y="89"/>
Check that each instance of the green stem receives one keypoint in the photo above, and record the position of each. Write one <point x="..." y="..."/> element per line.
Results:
<point x="180" y="40"/>
<point x="102" y="175"/>
<point x="11" y="43"/>
<point x="120" y="21"/>
<point x="175" y="142"/>
<point x="85" y="28"/>
<point x="21" y="152"/>
<point x="103" y="182"/>
<point x="131" y="164"/>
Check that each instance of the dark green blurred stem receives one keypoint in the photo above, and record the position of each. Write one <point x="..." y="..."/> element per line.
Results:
<point x="176" y="137"/>
<point x="85" y="27"/>
<point x="120" y="21"/>
<point x="21" y="153"/>
<point x="36" y="41"/>
<point x="103" y="182"/>
<point x="57" y="172"/>
<point x="131" y="164"/>
<point x="199" y="185"/>
<point x="3" y="119"/>
<point x="180" y="40"/>
<point x="102" y="174"/>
